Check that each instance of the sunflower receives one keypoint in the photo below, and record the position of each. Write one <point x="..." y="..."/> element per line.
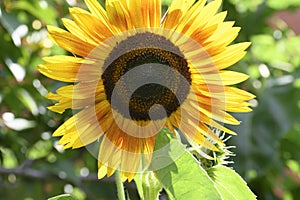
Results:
<point x="136" y="70"/>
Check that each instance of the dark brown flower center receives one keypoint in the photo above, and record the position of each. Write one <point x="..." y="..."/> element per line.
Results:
<point x="144" y="71"/>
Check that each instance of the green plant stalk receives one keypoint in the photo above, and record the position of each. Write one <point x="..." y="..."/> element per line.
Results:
<point x="120" y="186"/>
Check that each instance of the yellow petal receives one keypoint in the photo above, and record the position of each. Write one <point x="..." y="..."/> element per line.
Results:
<point x="69" y="69"/>
<point x="218" y="18"/>
<point x="130" y="161"/>
<point x="81" y="90"/>
<point x="148" y="146"/>
<point x="195" y="135"/>
<point x="114" y="162"/>
<point x="231" y="55"/>
<point x="195" y="114"/>
<point x="219" y="44"/>
<point x="175" y="13"/>
<point x="74" y="29"/>
<point x="70" y="42"/>
<point x="96" y="29"/>
<point x="235" y="93"/>
<point x="97" y="10"/>
<point x="199" y="21"/>
<point x="231" y="77"/>
<point x="220" y="78"/>
<point x="118" y="15"/>
<point x="102" y="171"/>
<point x="154" y="12"/>
<point x="84" y="126"/>
<point x="216" y="114"/>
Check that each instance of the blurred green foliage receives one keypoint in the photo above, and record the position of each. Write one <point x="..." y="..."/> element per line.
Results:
<point x="33" y="166"/>
<point x="267" y="147"/>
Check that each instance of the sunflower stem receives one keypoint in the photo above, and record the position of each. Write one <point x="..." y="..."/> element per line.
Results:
<point x="120" y="186"/>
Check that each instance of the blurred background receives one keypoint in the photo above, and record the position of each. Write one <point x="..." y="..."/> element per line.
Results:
<point x="33" y="166"/>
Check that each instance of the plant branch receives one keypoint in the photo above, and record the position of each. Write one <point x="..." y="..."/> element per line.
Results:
<point x="37" y="174"/>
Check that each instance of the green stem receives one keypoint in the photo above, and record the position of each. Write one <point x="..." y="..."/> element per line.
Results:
<point x="120" y="186"/>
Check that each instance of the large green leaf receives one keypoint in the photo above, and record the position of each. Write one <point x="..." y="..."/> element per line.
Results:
<point x="230" y="184"/>
<point x="179" y="173"/>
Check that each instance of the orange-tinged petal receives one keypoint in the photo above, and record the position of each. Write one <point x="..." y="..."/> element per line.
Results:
<point x="154" y="12"/>
<point x="200" y="17"/>
<point x="96" y="29"/>
<point x="175" y="13"/>
<point x="75" y="29"/>
<point x="97" y="10"/>
<point x="118" y="15"/>
<point x="195" y="135"/>
<point x="219" y="45"/>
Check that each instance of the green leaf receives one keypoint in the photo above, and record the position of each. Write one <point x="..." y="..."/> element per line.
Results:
<point x="28" y="101"/>
<point x="280" y="5"/>
<point x="41" y="11"/>
<point x="178" y="172"/>
<point x="9" y="159"/>
<point x="39" y="149"/>
<point x="62" y="197"/>
<point x="148" y="186"/>
<point x="290" y="143"/>
<point x="230" y="184"/>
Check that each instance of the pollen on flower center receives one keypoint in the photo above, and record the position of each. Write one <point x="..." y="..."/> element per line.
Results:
<point x="148" y="70"/>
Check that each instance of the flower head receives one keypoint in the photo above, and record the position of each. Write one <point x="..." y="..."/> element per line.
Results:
<point x="137" y="71"/>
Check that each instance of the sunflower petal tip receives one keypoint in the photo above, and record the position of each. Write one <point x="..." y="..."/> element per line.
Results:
<point x="71" y="9"/>
<point x="67" y="146"/>
<point x="252" y="96"/>
<point x="124" y="178"/>
<point x="130" y="179"/>
<point x="49" y="27"/>
<point x="215" y="149"/>
<point x="220" y="142"/>
<point x="248" y="43"/>
<point x="77" y="145"/>
<point x="60" y="142"/>
<point x="56" y="133"/>
<point x="232" y="133"/>
<point x="102" y="171"/>
<point x="55" y="109"/>
<point x="110" y="171"/>
<point x="246" y="76"/>
<point x="40" y="66"/>
<point x="49" y="95"/>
